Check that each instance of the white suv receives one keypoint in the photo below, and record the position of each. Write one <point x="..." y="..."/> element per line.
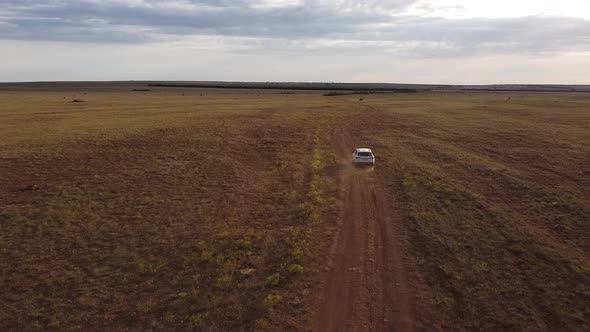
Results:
<point x="363" y="156"/>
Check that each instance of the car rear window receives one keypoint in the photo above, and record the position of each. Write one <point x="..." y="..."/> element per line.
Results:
<point x="365" y="154"/>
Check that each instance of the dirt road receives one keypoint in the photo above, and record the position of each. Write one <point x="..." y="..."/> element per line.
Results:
<point x="366" y="288"/>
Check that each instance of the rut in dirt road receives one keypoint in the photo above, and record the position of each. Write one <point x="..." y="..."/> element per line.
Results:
<point x="366" y="288"/>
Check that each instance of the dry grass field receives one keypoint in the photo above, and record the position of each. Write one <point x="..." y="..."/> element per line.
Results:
<point x="496" y="199"/>
<point x="221" y="210"/>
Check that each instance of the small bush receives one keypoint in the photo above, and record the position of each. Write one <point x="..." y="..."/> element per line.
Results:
<point x="272" y="299"/>
<point x="261" y="325"/>
<point x="296" y="269"/>
<point x="273" y="279"/>
<point x="206" y="256"/>
<point x="198" y="320"/>
<point x="224" y="281"/>
<point x="243" y="243"/>
<point x="297" y="253"/>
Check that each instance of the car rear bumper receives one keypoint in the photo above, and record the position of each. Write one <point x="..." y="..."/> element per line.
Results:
<point x="363" y="163"/>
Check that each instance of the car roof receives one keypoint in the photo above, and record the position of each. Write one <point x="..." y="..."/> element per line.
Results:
<point x="364" y="150"/>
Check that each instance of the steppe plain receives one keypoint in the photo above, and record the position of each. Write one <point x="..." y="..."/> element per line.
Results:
<point x="139" y="208"/>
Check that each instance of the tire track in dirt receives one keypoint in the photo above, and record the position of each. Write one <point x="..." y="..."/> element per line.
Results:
<point x="366" y="287"/>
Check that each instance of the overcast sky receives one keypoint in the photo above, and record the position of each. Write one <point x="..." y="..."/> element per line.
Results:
<point x="398" y="41"/>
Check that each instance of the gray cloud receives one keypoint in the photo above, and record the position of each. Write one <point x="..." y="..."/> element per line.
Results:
<point x="319" y="27"/>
